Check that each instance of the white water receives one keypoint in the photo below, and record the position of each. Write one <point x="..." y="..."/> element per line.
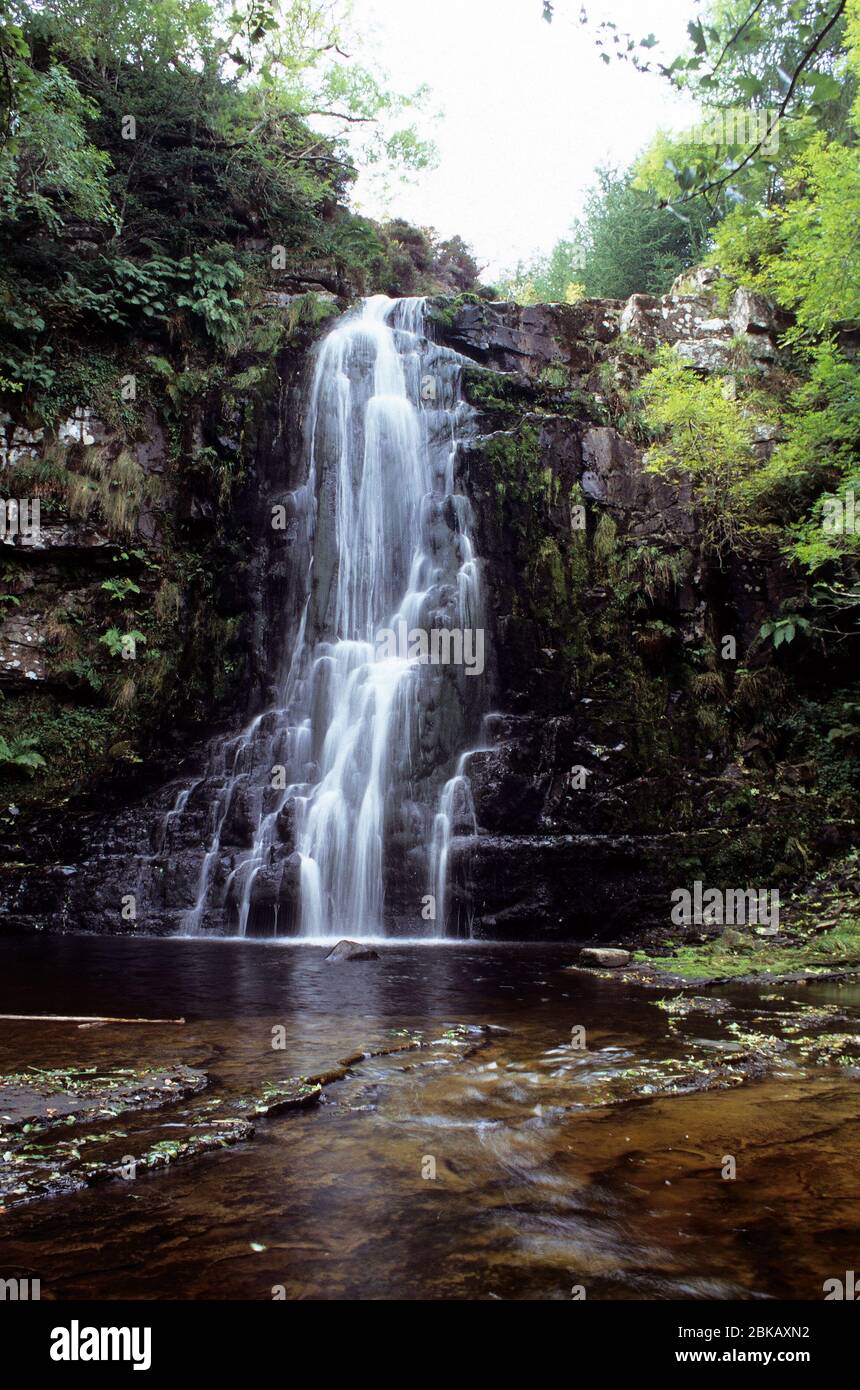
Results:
<point x="356" y="752"/>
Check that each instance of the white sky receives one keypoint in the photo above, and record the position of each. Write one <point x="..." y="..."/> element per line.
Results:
<point x="527" y="109"/>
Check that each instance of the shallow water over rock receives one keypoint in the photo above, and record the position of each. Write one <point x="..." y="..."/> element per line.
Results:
<point x="558" y="1166"/>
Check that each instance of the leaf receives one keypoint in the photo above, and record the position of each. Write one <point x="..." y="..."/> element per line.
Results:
<point x="697" y="34"/>
<point x="30" y="760"/>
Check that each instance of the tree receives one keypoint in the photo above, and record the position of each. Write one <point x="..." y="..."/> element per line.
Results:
<point x="783" y="58"/>
<point x="703" y="434"/>
<point x="147" y="144"/>
<point x="622" y="244"/>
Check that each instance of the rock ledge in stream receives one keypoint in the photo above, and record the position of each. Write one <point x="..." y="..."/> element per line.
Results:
<point x="53" y="1123"/>
<point x="38" y="1099"/>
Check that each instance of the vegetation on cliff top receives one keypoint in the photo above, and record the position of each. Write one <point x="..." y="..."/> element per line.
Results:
<point x="767" y="185"/>
<point x="166" y="165"/>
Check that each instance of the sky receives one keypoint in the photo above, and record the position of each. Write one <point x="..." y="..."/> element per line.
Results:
<point x="526" y="111"/>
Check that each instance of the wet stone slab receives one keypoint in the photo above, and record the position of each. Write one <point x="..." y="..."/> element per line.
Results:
<point x="60" y="1130"/>
<point x="38" y="1098"/>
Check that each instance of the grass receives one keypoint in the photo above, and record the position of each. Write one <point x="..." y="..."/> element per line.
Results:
<point x="738" y="953"/>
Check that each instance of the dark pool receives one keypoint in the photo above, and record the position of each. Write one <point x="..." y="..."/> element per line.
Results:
<point x="545" y="1181"/>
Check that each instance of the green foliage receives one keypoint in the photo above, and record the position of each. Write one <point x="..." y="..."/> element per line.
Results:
<point x="171" y="232"/>
<point x="706" y="436"/>
<point x="621" y="245"/>
<point x="781" y="60"/>
<point x="817" y="274"/>
<point x="121" y="643"/>
<point x="308" y="311"/>
<point x="654" y="572"/>
<point x="73" y="743"/>
<point x="402" y="260"/>
<point x="207" y="285"/>
<point x="803" y="251"/>
<point x="19" y="753"/>
<point x="49" y="169"/>
<point x="120" y="589"/>
<point x="628" y="245"/>
<point x="813" y="477"/>
<point x="550" y="279"/>
<point x="779" y="630"/>
<point x="849" y="729"/>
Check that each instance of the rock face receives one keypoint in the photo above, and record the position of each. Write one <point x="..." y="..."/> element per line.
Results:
<point x="235" y="600"/>
<point x="601" y="782"/>
<point x="606" y="774"/>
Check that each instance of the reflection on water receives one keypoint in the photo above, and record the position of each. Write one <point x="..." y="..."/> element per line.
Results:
<point x="542" y="1183"/>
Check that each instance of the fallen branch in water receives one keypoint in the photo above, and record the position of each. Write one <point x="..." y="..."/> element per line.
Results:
<point x="73" y="1018"/>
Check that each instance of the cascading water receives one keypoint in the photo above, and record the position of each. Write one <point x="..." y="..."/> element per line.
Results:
<point x="346" y="781"/>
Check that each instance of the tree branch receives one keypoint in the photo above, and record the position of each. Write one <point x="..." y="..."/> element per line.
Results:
<point x="727" y="178"/>
<point x="736" y="35"/>
<point x="339" y="115"/>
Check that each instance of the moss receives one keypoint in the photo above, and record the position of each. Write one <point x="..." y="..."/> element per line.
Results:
<point x="304" y="316"/>
<point x="534" y="513"/>
<point x="605" y="548"/>
<point x="740" y="952"/>
<point x="93" y="377"/>
<point x="445" y="308"/>
<point x="493" y="391"/>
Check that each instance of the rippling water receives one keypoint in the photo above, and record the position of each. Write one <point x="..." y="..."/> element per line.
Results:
<point x="542" y="1185"/>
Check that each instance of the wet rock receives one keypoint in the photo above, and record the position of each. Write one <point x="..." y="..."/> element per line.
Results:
<point x="527" y="887"/>
<point x="242" y="815"/>
<point x="351" y="950"/>
<point x="292" y="1094"/>
<point x="609" y="957"/>
<point x="529" y="338"/>
<point x="39" y="1099"/>
<point x="286" y="823"/>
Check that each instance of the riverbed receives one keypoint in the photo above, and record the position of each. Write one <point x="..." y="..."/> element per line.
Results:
<point x="576" y="1146"/>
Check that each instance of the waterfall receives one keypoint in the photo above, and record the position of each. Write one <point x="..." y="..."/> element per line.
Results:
<point x="347" y="781"/>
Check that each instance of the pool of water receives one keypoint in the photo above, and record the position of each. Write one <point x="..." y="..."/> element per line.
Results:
<point x="543" y="1186"/>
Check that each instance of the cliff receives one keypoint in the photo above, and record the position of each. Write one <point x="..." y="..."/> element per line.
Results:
<point x="625" y="752"/>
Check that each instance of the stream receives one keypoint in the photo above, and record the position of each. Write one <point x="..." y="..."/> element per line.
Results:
<point x="561" y="1170"/>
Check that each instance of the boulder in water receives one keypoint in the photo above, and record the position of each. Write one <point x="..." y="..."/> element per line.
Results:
<point x="607" y="956"/>
<point x="351" y="950"/>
